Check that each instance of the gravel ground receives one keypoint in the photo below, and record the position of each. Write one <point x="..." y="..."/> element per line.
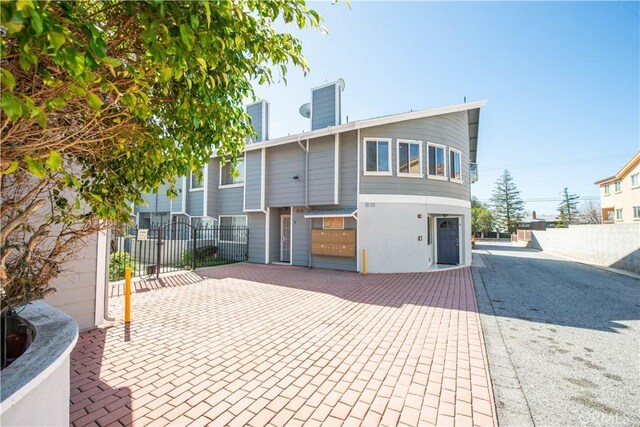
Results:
<point x="570" y="333"/>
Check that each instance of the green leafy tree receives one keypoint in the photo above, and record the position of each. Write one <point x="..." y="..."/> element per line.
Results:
<point x="103" y="101"/>
<point x="481" y="220"/>
<point x="568" y="208"/>
<point x="508" y="207"/>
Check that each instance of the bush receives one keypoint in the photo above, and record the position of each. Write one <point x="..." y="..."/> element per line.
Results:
<point x="203" y="254"/>
<point x="118" y="262"/>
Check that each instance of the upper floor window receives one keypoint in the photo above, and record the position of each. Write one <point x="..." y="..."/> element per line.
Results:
<point x="409" y="158"/>
<point x="635" y="180"/>
<point x="377" y="156"/>
<point x="607" y="189"/>
<point x="197" y="182"/>
<point x="619" y="214"/>
<point x="636" y="212"/>
<point x="230" y="176"/>
<point x="437" y="161"/>
<point x="455" y="164"/>
<point x="618" y="185"/>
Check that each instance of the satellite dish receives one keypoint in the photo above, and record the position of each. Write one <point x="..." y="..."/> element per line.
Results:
<point x="341" y="83"/>
<point x="305" y="110"/>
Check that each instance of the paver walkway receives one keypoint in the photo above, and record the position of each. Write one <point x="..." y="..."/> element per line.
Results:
<point x="277" y="345"/>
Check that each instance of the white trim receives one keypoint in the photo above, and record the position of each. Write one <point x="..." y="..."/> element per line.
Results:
<point x="263" y="178"/>
<point x="410" y="142"/>
<point x="267" y="225"/>
<point x="402" y="199"/>
<point x="444" y="177"/>
<point x="246" y="218"/>
<point x="282" y="220"/>
<point x="205" y="197"/>
<point x="361" y="124"/>
<point x="336" y="170"/>
<point x="333" y="216"/>
<point x="291" y="236"/>
<point x="364" y="156"/>
<point x="191" y="183"/>
<point x="231" y="186"/>
<point x="452" y="179"/>
<point x="184" y="194"/>
<point x="195" y="190"/>
<point x="358" y="267"/>
<point x="336" y="104"/>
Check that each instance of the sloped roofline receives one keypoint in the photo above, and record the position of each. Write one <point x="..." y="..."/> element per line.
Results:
<point x="623" y="171"/>
<point x="366" y="123"/>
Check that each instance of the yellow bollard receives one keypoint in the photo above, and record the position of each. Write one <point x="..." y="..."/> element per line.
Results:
<point x="364" y="262"/>
<point x="127" y="295"/>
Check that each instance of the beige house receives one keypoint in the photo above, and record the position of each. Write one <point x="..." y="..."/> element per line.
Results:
<point x="620" y="194"/>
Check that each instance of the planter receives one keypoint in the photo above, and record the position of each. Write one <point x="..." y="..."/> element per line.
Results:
<point x="16" y="336"/>
<point x="36" y="386"/>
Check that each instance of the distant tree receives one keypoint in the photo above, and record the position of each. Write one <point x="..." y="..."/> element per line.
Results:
<point x="481" y="220"/>
<point x="568" y="208"/>
<point x="508" y="207"/>
<point x="475" y="203"/>
<point x="590" y="212"/>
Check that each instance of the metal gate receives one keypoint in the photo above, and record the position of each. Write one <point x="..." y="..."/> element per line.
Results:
<point x="174" y="246"/>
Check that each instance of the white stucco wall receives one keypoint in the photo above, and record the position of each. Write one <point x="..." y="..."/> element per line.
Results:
<point x="609" y="245"/>
<point x="390" y="231"/>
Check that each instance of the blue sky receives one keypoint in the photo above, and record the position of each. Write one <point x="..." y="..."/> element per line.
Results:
<point x="562" y="81"/>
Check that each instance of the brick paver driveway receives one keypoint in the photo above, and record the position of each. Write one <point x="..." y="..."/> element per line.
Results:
<point x="275" y="345"/>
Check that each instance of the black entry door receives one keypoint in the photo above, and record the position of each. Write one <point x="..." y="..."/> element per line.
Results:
<point x="448" y="241"/>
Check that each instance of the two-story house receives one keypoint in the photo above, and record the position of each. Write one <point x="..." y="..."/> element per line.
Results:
<point x="397" y="187"/>
<point x="620" y="194"/>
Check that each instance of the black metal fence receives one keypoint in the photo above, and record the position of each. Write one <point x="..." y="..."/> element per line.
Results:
<point x="174" y="246"/>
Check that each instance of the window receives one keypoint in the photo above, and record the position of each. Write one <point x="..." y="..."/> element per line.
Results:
<point x="619" y="214"/>
<point x="618" y="186"/>
<point x="437" y="163"/>
<point x="409" y="157"/>
<point x="635" y="180"/>
<point x="333" y="223"/>
<point x="377" y="156"/>
<point x="229" y="176"/>
<point x="636" y="212"/>
<point x="233" y="228"/>
<point x="455" y="171"/>
<point x="607" y="189"/>
<point x="197" y="183"/>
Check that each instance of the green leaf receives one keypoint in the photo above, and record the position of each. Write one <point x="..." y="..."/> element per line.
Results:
<point x="76" y="205"/>
<point x="54" y="162"/>
<point x="165" y="74"/>
<point x="56" y="40"/>
<point x="77" y="90"/>
<point x="7" y="79"/>
<point x="112" y="61"/>
<point x="35" y="168"/>
<point x="187" y="36"/>
<point x="207" y="11"/>
<point x="36" y="22"/>
<point x="94" y="101"/>
<point x="12" y="168"/>
<point x="99" y="47"/>
<point x="74" y="61"/>
<point x="11" y="106"/>
<point x="202" y="62"/>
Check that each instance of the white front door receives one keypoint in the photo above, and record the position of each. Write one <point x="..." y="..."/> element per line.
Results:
<point x="285" y="238"/>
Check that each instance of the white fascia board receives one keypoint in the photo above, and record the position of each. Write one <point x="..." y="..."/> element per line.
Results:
<point x="336" y="170"/>
<point x="184" y="193"/>
<point x="267" y="225"/>
<point x="361" y="124"/>
<point x="403" y="199"/>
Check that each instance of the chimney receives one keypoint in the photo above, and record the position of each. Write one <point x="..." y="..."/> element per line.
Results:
<point x="533" y="215"/>
<point x="326" y="105"/>
<point x="259" y="113"/>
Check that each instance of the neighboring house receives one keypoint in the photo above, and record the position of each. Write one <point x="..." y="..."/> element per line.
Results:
<point x="620" y="194"/>
<point x="396" y="186"/>
<point x="534" y="222"/>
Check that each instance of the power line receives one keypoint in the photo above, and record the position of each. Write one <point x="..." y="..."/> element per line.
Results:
<point x="555" y="163"/>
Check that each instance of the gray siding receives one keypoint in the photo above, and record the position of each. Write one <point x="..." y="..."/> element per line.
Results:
<point x="283" y="163"/>
<point x="449" y="129"/>
<point x="256" y="222"/>
<point x="195" y="203"/>
<point x="176" y="204"/>
<point x="255" y="112"/>
<point x="323" y="107"/>
<point x="212" y="187"/>
<point x="163" y="204"/>
<point x="348" y="178"/>
<point x="150" y="198"/>
<point x="301" y="238"/>
<point x="321" y="170"/>
<point x="331" y="262"/>
<point x="253" y="167"/>
<point x="230" y="201"/>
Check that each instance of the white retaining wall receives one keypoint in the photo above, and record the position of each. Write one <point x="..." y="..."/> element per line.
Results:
<point x="609" y="245"/>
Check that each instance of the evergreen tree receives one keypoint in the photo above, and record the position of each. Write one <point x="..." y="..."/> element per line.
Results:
<point x="508" y="207"/>
<point x="569" y="207"/>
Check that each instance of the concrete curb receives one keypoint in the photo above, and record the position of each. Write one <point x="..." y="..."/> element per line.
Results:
<point x="511" y="404"/>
